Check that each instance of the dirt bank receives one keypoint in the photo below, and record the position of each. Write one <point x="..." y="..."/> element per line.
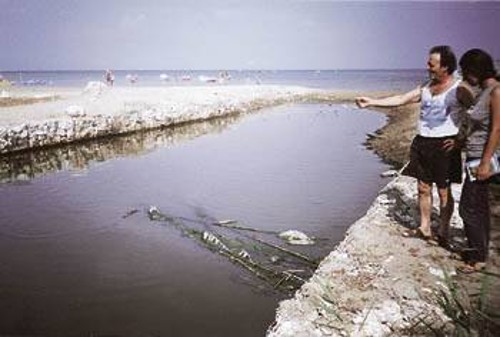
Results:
<point x="392" y="142"/>
<point x="13" y="101"/>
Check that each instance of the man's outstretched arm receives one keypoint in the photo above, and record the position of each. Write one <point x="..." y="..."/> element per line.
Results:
<point x="391" y="101"/>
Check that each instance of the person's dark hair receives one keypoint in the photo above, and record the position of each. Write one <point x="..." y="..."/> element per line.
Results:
<point x="478" y="63"/>
<point x="448" y="58"/>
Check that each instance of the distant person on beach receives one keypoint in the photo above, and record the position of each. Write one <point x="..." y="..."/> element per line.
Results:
<point x="224" y="76"/>
<point x="434" y="156"/>
<point x="109" y="77"/>
<point x="483" y="139"/>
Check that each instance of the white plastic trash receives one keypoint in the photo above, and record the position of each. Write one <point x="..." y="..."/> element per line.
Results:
<point x="295" y="237"/>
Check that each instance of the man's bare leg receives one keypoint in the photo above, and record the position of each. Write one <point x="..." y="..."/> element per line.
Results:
<point x="425" y="206"/>
<point x="446" y="205"/>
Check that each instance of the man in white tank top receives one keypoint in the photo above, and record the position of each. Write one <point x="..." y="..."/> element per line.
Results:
<point x="434" y="158"/>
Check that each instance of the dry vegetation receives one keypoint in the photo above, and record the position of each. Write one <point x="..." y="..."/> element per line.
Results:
<point x="13" y="101"/>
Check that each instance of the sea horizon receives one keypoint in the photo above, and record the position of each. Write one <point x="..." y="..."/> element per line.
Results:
<point x="207" y="69"/>
<point x="350" y="79"/>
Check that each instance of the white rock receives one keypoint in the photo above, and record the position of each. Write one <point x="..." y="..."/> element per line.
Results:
<point x="376" y="322"/>
<point x="75" y="111"/>
<point x="437" y="272"/>
<point x="20" y="128"/>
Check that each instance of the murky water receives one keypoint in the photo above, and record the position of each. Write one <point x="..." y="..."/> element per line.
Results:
<point x="80" y="257"/>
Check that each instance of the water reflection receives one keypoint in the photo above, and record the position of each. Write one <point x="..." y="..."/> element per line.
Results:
<point x="27" y="165"/>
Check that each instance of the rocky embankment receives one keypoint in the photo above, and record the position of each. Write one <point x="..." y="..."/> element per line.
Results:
<point x="375" y="283"/>
<point x="100" y="111"/>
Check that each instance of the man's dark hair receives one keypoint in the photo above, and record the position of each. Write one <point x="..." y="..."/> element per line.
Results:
<point x="478" y="63"/>
<point x="448" y="58"/>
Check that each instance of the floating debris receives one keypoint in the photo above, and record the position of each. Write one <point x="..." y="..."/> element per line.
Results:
<point x="154" y="213"/>
<point x="295" y="237"/>
<point x="389" y="174"/>
<point x="225" y="222"/>
<point x="244" y="254"/>
<point x="233" y="224"/>
<point x="130" y="213"/>
<point x="289" y="252"/>
<point x="275" y="259"/>
<point x="275" y="270"/>
<point x="213" y="240"/>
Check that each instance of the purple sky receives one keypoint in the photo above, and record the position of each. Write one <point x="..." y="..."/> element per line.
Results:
<point x="238" y="34"/>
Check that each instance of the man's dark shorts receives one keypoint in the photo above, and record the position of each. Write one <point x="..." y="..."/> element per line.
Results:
<point x="430" y="163"/>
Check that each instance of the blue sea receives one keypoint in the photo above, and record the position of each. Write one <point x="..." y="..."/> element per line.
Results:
<point x="392" y="80"/>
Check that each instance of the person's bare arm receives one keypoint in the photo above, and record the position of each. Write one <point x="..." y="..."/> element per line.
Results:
<point x="391" y="101"/>
<point x="483" y="171"/>
<point x="465" y="97"/>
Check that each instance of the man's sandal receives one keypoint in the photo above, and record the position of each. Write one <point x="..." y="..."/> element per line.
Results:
<point x="472" y="267"/>
<point x="418" y="234"/>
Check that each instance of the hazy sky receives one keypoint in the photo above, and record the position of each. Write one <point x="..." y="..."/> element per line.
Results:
<point x="238" y="34"/>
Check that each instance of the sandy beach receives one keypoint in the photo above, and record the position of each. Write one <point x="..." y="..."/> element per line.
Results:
<point x="373" y="284"/>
